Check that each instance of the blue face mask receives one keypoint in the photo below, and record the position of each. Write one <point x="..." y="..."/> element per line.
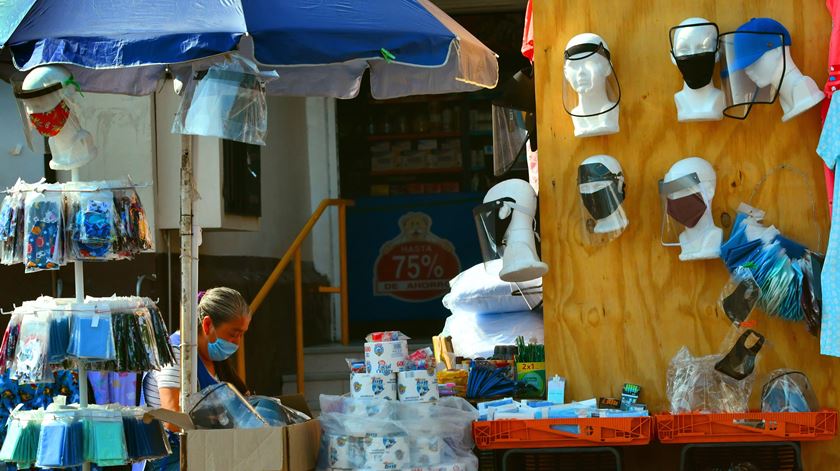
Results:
<point x="221" y="349"/>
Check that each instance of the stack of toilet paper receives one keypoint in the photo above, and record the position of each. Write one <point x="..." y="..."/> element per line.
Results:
<point x="386" y="358"/>
<point x="375" y="435"/>
<point x="387" y="372"/>
<point x="417" y="386"/>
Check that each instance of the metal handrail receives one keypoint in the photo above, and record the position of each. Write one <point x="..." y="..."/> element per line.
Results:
<point x="293" y="254"/>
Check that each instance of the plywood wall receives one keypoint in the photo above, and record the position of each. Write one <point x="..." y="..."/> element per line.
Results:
<point x="619" y="313"/>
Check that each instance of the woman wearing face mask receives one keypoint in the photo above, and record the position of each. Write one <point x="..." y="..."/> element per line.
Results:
<point x="224" y="318"/>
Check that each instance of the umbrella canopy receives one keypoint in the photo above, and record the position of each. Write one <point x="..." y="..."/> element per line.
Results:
<point x="319" y="47"/>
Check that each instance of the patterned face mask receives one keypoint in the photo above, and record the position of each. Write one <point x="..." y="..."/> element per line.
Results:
<point x="51" y="122"/>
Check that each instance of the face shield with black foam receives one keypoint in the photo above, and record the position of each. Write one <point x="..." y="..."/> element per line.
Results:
<point x="602" y="191"/>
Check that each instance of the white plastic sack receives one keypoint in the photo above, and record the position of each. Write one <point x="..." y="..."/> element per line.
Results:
<point x="476" y="335"/>
<point x="479" y="290"/>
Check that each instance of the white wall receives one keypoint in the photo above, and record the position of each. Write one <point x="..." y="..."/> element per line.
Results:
<point x="28" y="164"/>
<point x="285" y="187"/>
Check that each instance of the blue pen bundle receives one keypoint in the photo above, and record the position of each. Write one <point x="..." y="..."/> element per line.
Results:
<point x="61" y="442"/>
<point x="144" y="440"/>
<point x="486" y="380"/>
<point x="21" y="443"/>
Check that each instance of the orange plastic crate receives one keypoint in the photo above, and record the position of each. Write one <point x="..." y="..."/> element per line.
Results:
<point x="556" y="433"/>
<point x="731" y="428"/>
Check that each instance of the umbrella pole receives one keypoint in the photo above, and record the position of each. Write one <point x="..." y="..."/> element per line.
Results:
<point x="188" y="317"/>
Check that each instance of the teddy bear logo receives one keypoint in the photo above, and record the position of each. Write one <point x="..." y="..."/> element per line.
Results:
<point x="388" y="442"/>
<point x="357" y="386"/>
<point x="377" y="385"/>
<point x="422" y="387"/>
<point x="402" y="389"/>
<point x="416" y="227"/>
<point x="379" y="349"/>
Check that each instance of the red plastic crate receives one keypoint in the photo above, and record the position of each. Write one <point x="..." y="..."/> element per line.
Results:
<point x="731" y="428"/>
<point x="556" y="433"/>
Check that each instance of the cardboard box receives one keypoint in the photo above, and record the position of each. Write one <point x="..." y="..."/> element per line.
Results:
<point x="292" y="448"/>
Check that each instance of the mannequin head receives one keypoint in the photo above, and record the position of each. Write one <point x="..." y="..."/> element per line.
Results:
<point x="587" y="75"/>
<point x="603" y="195"/>
<point x="519" y="260"/>
<point x="768" y="68"/>
<point x="48" y="99"/>
<point x="700" y="238"/>
<point x="688" y="41"/>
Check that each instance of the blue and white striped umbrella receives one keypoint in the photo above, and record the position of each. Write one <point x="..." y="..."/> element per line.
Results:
<point x="318" y="47"/>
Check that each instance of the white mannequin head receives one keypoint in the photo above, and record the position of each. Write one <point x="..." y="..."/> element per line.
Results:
<point x="72" y="146"/>
<point x="703" y="240"/>
<point x="520" y="261"/>
<point x="588" y="77"/>
<point x="707" y="102"/>
<point x="617" y="220"/>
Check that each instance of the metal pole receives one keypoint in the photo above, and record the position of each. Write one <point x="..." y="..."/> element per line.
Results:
<point x="79" y="282"/>
<point x="188" y="321"/>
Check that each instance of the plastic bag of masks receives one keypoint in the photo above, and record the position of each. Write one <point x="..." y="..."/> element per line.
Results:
<point x="377" y="435"/>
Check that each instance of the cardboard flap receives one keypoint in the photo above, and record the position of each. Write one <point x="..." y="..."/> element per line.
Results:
<point x="175" y="418"/>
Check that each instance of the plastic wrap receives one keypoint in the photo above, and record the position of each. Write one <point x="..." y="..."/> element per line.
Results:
<point x="275" y="413"/>
<point x="228" y="103"/>
<point x="221" y="406"/>
<point x="476" y="335"/>
<point x="378" y="435"/>
<point x="693" y="385"/>
<point x="43" y="228"/>
<point x="21" y="444"/>
<point x="31" y="363"/>
<point x="740" y="295"/>
<point x="104" y="437"/>
<point x="144" y="439"/>
<point x="91" y="332"/>
<point x="61" y="443"/>
<point x="788" y="391"/>
<point x="133" y="234"/>
<point x="10" y="341"/>
<point x="59" y="335"/>
<point x="12" y="228"/>
<point x="91" y="231"/>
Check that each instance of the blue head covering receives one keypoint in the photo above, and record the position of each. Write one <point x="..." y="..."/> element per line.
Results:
<point x="750" y="47"/>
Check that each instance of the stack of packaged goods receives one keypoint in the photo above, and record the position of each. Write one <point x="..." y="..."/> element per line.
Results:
<point x="395" y="418"/>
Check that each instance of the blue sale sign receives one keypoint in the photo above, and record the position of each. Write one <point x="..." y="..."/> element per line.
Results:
<point x="402" y="252"/>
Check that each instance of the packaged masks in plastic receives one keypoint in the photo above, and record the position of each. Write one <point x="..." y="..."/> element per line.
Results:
<point x="788" y="391"/>
<point x="221" y="406"/>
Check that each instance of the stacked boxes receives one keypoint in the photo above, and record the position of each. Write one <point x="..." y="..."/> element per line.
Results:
<point x="389" y="369"/>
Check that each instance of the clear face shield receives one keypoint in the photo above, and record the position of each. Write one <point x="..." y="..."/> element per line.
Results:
<point x="753" y="66"/>
<point x="493" y="220"/>
<point x="514" y="121"/>
<point x="591" y="86"/>
<point x="695" y="50"/>
<point x="601" y="195"/>
<point x="684" y="202"/>
<point x="228" y="102"/>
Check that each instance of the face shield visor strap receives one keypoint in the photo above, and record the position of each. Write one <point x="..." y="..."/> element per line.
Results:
<point x="492" y="220"/>
<point x="683" y="204"/>
<point x="531" y="292"/>
<point x="696" y="61"/>
<point x="510" y="135"/>
<point x="612" y="92"/>
<point x="743" y="51"/>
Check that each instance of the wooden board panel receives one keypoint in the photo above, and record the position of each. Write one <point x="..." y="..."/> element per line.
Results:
<point x="619" y="313"/>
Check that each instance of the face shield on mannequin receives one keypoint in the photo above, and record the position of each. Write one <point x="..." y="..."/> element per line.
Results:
<point x="686" y="195"/>
<point x="753" y="65"/>
<point x="591" y="91"/>
<point x="505" y="224"/>
<point x="514" y="121"/>
<point x="47" y="101"/>
<point x="602" y="192"/>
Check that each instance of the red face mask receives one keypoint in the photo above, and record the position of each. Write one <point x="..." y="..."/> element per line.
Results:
<point x="50" y="123"/>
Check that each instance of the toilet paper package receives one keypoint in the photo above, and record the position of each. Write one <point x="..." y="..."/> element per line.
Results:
<point x="386" y="357"/>
<point x="417" y="386"/>
<point x="373" y="386"/>
<point x="386" y="452"/>
<point x="426" y="436"/>
<point x="426" y="450"/>
<point x="344" y="452"/>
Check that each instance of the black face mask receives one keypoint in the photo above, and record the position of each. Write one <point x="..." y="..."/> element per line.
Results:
<point x="697" y="69"/>
<point x="740" y="361"/>
<point x="605" y="201"/>
<point x="740" y="303"/>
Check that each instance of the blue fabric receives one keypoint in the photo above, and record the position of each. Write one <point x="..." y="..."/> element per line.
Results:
<point x="205" y="379"/>
<point x="89" y="341"/>
<point x="829" y="149"/>
<point x="749" y="47"/>
<point x="34" y="396"/>
<point x="167" y="31"/>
